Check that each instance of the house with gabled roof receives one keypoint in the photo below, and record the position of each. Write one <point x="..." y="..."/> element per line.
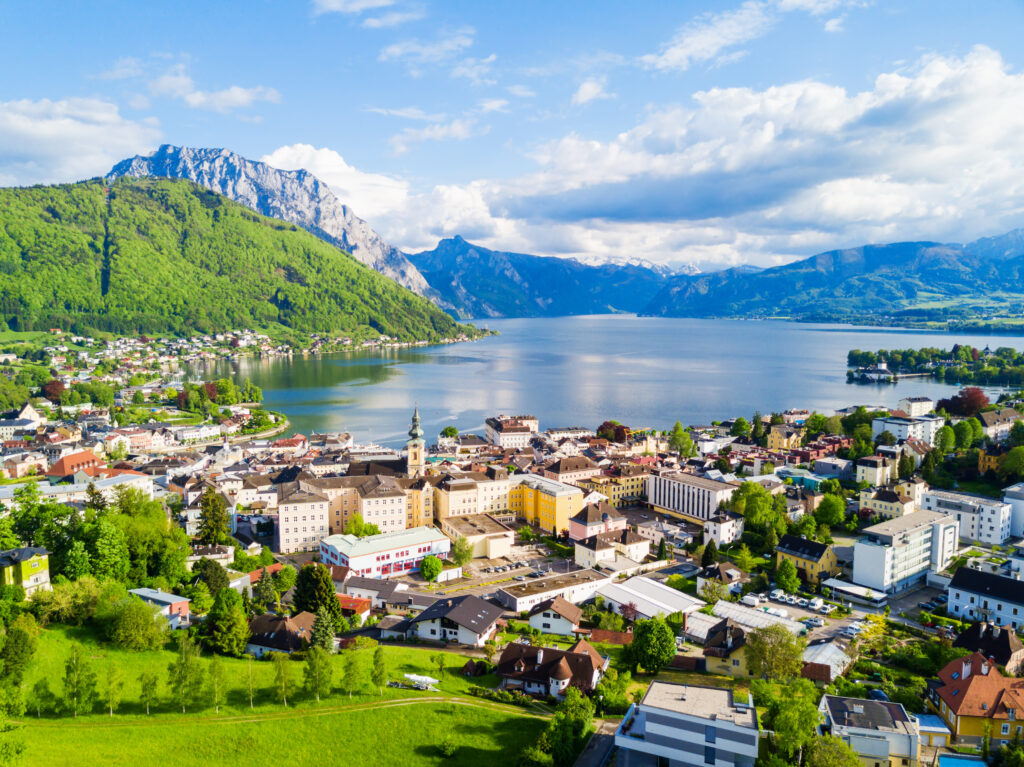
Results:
<point x="555" y="616"/>
<point x="467" y="620"/>
<point x="550" y="671"/>
<point x="974" y="698"/>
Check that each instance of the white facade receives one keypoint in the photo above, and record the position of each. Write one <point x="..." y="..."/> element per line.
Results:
<point x="899" y="553"/>
<point x="723" y="529"/>
<point x="916" y="406"/>
<point x="575" y="587"/>
<point x="687" y="494"/>
<point x="550" y="622"/>
<point x="923" y="428"/>
<point x="387" y="554"/>
<point x="688" y="725"/>
<point x="510" y="432"/>
<point x="1014" y="495"/>
<point x="981" y="519"/>
<point x="976" y="595"/>
<point x="302" y="520"/>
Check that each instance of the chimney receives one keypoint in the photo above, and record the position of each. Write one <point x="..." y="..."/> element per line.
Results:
<point x="984" y="668"/>
<point x="966" y="672"/>
<point x="540" y="656"/>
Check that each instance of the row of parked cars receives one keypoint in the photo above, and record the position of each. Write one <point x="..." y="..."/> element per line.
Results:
<point x="939" y="601"/>
<point x="816" y="604"/>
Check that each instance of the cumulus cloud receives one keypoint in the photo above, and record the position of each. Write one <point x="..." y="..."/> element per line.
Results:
<point x="458" y="129"/>
<point x="521" y="91"/>
<point x="124" y="68"/>
<point x="493" y="105"/>
<point x="54" y="141"/>
<point x="835" y="24"/>
<point x="477" y="71"/>
<point x="370" y="195"/>
<point x="176" y="83"/>
<point x="590" y="89"/>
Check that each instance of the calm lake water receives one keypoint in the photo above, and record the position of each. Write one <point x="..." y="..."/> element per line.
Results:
<point x="582" y="370"/>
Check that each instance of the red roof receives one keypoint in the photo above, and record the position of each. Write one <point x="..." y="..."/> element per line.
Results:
<point x="255" y="574"/>
<point x="358" y="605"/>
<point x="73" y="463"/>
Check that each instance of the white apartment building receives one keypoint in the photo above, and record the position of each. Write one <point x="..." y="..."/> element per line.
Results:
<point x="979" y="596"/>
<point x="723" y="529"/>
<point x="981" y="519"/>
<point x="922" y="427"/>
<point x="302" y="520"/>
<point x="387" y="554"/>
<point x="997" y="423"/>
<point x="679" y="724"/>
<point x="899" y="553"/>
<point x="511" y="431"/>
<point x="687" y="495"/>
<point x="1014" y="495"/>
<point x="916" y="406"/>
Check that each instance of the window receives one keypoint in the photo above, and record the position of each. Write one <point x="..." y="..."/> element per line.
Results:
<point x="709" y="755"/>
<point x="709" y="735"/>
<point x="1005" y="730"/>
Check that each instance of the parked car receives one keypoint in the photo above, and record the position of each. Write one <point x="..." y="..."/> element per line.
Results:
<point x="828" y="609"/>
<point x="520" y="577"/>
<point x="941" y="599"/>
<point x="801" y="602"/>
<point x="777" y="595"/>
<point x="814" y="622"/>
<point x="876" y="694"/>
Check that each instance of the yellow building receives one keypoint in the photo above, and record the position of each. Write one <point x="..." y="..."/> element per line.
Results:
<point x="624" y="486"/>
<point x="974" y="698"/>
<point x="725" y="650"/>
<point x="886" y="502"/>
<point x="783" y="436"/>
<point x="28" y="567"/>
<point x="814" y="561"/>
<point x="544" y="502"/>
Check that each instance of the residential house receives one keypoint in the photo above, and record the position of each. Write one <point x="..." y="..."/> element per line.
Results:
<point x="72" y="464"/>
<point x="173" y="607"/>
<point x="468" y="620"/>
<point x="544" y="502"/>
<point x="512" y="432"/>
<point x="724" y="574"/>
<point x="279" y="633"/>
<point x="884" y="502"/>
<point x="606" y="548"/>
<point x="550" y="671"/>
<point x="572" y="469"/>
<point x="690" y="726"/>
<point x="28" y="567"/>
<point x="996" y="423"/>
<point x="725" y="650"/>
<point x="873" y="469"/>
<point x="595" y="518"/>
<point x="784" y="436"/>
<point x="916" y="406"/>
<point x="976" y="595"/>
<point x="879" y="732"/>
<point x="302" y="519"/>
<point x="555" y="616"/>
<point x="723" y="529"/>
<point x="904" y="427"/>
<point x="974" y="699"/>
<point x="814" y="561"/>
<point x="1000" y="643"/>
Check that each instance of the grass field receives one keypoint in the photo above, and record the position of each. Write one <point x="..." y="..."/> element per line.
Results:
<point x="401" y="732"/>
<point x="367" y="728"/>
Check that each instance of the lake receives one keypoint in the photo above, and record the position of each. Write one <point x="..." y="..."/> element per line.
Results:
<point x="571" y="371"/>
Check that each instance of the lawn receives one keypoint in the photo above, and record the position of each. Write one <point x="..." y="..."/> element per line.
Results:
<point x="398" y="733"/>
<point x="55" y="642"/>
<point x="366" y="728"/>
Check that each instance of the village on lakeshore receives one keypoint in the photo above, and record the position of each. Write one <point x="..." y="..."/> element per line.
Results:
<point x="748" y="590"/>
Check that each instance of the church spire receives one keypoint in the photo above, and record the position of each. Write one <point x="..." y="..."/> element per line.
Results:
<point x="416" y="432"/>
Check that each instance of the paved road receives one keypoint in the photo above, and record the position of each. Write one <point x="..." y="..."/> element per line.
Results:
<point x="595" y="754"/>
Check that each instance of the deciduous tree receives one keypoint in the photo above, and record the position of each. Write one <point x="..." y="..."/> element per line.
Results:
<point x="654" y="644"/>
<point x="430" y="567"/>
<point x="786" y="577"/>
<point x="317" y="672"/>
<point x="282" y="676"/>
<point x="214" y="521"/>
<point x="113" y="687"/>
<point x="774" y="653"/>
<point x="184" y="673"/>
<point x="217" y="684"/>
<point x="149" y="691"/>
<point x="379" y="670"/>
<point x="79" y="689"/>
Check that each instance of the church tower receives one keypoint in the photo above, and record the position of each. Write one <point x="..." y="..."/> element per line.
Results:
<point x="415" y="460"/>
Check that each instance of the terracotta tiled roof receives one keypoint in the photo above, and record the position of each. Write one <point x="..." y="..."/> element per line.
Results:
<point x="973" y="686"/>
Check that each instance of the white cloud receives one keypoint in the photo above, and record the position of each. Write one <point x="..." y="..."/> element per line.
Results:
<point x="835" y="24"/>
<point x="814" y="7"/>
<point x="176" y="83"/>
<point x="520" y="91"/>
<point x="706" y="37"/>
<point x="123" y="69"/>
<point x="418" y="52"/>
<point x="370" y="195"/>
<point x="458" y="129"/>
<point x="67" y="140"/>
<point x="349" y="6"/>
<point x="493" y="105"/>
<point x="590" y="89"/>
<point x="407" y="113"/>
<point x="393" y="19"/>
<point x="475" y="70"/>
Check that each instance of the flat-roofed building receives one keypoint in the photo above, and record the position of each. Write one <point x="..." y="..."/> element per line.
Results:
<point x="679" y="724"/>
<point x="982" y="519"/>
<point x="899" y="553"/>
<point x="488" y="537"/>
<point x="648" y="598"/>
<point x="680" y="494"/>
<point x="384" y="555"/>
<point x="878" y="732"/>
<point x="575" y="587"/>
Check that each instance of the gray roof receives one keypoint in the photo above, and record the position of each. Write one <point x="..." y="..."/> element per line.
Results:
<point x="469" y="611"/>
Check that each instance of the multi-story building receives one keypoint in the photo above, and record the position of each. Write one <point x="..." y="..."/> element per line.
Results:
<point x="302" y="520"/>
<point x="686" y="495"/>
<point x="981" y="519"/>
<point x="916" y="406"/>
<point x="723" y="529"/>
<point x="623" y="485"/>
<point x="976" y="595"/>
<point x="885" y="502"/>
<point x="922" y="427"/>
<point x="607" y="547"/>
<point x="996" y="423"/>
<point x="873" y="469"/>
<point x="488" y="537"/>
<point x="783" y="436"/>
<point x="595" y="518"/>
<point x="899" y="553"/>
<point x="689" y="725"/>
<point x="814" y="561"/>
<point x="28" y="567"/>
<point x="975" y="700"/>
<point x="511" y="431"/>
<point x="384" y="555"/>
<point x="1014" y="495"/>
<point x="878" y="732"/>
<point x="572" y="470"/>
<point x="544" y="502"/>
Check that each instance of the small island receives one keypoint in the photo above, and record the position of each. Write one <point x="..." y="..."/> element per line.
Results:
<point x="962" y="364"/>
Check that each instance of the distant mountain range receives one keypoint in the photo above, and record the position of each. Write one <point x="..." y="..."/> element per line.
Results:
<point x="900" y="282"/>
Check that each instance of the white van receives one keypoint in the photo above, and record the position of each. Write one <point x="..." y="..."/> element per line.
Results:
<point x="815" y="604"/>
<point x="777" y="594"/>
<point x="751" y="600"/>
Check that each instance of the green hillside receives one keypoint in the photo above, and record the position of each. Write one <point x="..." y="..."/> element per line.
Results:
<point x="167" y="256"/>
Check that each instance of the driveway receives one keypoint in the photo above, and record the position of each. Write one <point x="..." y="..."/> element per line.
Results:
<point x="595" y="754"/>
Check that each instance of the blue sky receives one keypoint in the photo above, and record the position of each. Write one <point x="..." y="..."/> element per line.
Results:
<point x="712" y="133"/>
